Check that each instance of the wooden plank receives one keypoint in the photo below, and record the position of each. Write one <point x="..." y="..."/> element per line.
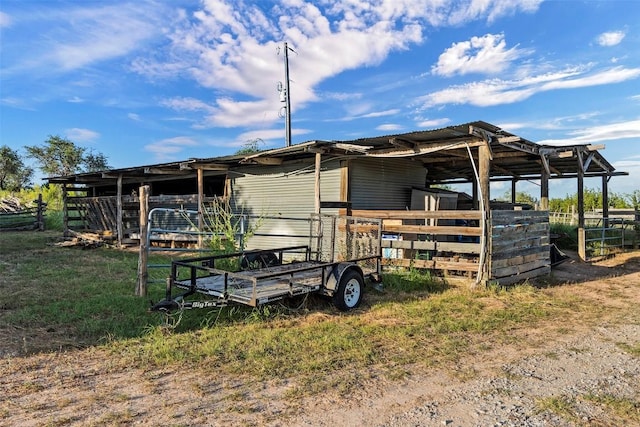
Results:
<point x="504" y="281"/>
<point x="465" y="248"/>
<point x="519" y="259"/>
<point x="437" y="230"/>
<point x="517" y="217"/>
<point x="514" y="229"/>
<point x="519" y="268"/>
<point x="509" y="254"/>
<point x="432" y="264"/>
<point x="516" y="244"/>
<point x="416" y="214"/>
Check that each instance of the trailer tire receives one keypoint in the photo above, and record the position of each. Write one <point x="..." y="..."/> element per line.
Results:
<point x="349" y="293"/>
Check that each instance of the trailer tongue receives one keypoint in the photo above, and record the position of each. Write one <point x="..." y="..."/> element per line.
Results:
<point x="342" y="253"/>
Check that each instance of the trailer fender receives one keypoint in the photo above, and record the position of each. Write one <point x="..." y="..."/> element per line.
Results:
<point x="336" y="273"/>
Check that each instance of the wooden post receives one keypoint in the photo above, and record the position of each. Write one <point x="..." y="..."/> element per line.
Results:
<point x="345" y="195"/>
<point x="605" y="200"/>
<point x="484" y="175"/>
<point x="40" y="214"/>
<point x="582" y="250"/>
<point x="317" y="183"/>
<point x="119" y="224"/>
<point x="200" y="173"/>
<point x="474" y="194"/>
<point x="544" y="190"/>
<point x="143" y="274"/>
<point x="513" y="190"/>
<point x="65" y="212"/>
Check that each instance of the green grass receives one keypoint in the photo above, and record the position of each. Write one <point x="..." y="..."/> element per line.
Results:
<point x="624" y="410"/>
<point x="75" y="297"/>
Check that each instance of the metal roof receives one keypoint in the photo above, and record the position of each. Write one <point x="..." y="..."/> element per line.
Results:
<point x="444" y="153"/>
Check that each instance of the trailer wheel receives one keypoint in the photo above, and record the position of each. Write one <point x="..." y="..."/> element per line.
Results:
<point x="349" y="292"/>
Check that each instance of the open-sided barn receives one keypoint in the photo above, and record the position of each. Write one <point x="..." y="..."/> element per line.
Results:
<point x="390" y="177"/>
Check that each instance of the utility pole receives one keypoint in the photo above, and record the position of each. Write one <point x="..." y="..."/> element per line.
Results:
<point x="284" y="96"/>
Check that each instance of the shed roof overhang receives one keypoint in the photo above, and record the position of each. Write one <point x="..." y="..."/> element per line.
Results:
<point x="444" y="152"/>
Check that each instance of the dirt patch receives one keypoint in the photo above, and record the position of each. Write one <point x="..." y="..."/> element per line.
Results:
<point x="560" y="373"/>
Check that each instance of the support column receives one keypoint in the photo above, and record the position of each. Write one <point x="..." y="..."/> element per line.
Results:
<point x="200" y="174"/>
<point x="484" y="174"/>
<point x="65" y="211"/>
<point x="317" y="183"/>
<point x="544" y="190"/>
<point x="605" y="200"/>
<point x="513" y="190"/>
<point x="582" y="251"/>
<point x="474" y="194"/>
<point x="143" y="273"/>
<point x="119" y="224"/>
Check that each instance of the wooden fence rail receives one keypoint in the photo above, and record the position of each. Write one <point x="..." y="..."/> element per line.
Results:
<point x="436" y="240"/>
<point x="25" y="219"/>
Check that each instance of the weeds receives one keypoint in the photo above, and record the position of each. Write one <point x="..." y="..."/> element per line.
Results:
<point x="623" y="408"/>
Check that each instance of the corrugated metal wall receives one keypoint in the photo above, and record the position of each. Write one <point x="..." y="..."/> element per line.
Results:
<point x="288" y="191"/>
<point x="384" y="183"/>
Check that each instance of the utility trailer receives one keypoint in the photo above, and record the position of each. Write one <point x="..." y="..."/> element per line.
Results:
<point x="342" y="252"/>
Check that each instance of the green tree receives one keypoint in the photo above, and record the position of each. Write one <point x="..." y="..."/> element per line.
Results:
<point x="252" y="146"/>
<point x="60" y="156"/>
<point x="14" y="174"/>
<point x="521" y="197"/>
<point x="592" y="200"/>
<point x="634" y="199"/>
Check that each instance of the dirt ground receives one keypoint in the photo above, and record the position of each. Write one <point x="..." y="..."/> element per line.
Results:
<point x="556" y="374"/>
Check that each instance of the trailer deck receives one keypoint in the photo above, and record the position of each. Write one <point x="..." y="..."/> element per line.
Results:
<point x="330" y="265"/>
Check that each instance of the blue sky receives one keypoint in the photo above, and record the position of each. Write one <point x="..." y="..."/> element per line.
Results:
<point x="152" y="81"/>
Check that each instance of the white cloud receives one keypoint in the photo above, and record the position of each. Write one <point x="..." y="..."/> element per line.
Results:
<point x="16" y="103"/>
<point x="5" y="20"/>
<point x="389" y="127"/>
<point x="610" y="38"/>
<point x="487" y="55"/>
<point x="497" y="91"/>
<point x="493" y="9"/>
<point x="231" y="46"/>
<point x="610" y="132"/>
<point x="433" y="123"/>
<point x="81" y="135"/>
<point x="133" y="116"/>
<point x="380" y="113"/>
<point x="75" y="100"/>
<point x="78" y="36"/>
<point x="169" y="148"/>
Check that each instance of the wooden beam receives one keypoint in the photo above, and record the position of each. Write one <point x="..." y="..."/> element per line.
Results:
<point x="402" y="143"/>
<point x="165" y="171"/>
<point x="416" y="214"/>
<point x="426" y="148"/>
<point x="275" y="161"/>
<point x="508" y="139"/>
<point x="204" y="166"/>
